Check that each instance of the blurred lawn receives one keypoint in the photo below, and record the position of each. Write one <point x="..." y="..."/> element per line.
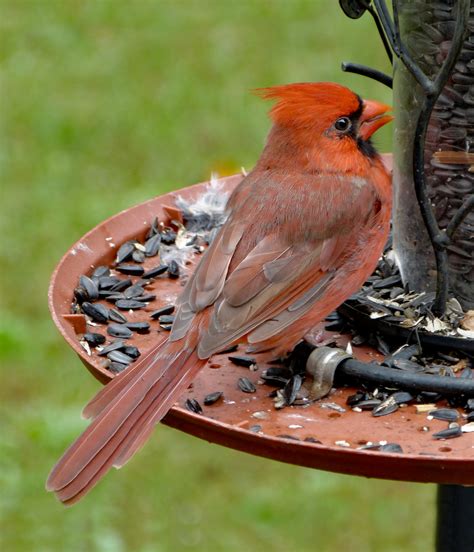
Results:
<point x="105" y="104"/>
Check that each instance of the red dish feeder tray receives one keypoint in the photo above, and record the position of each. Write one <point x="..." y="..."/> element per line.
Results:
<point x="231" y="422"/>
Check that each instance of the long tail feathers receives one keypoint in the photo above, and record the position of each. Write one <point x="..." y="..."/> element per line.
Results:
<point x="124" y="414"/>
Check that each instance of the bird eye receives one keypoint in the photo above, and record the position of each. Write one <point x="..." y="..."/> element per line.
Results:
<point x="343" y="124"/>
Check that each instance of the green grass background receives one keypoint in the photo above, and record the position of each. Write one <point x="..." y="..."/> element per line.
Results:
<point x="105" y="104"/>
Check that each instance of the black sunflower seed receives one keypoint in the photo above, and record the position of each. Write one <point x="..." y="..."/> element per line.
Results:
<point x="121" y="285"/>
<point x="193" y="406"/>
<point x="125" y="252"/>
<point x="402" y="397"/>
<point x="108" y="282"/>
<point x="90" y="286"/>
<point x="117" y="316"/>
<point x="352" y="400"/>
<point x="119" y="356"/>
<point x="277" y="376"/>
<point x="146" y="298"/>
<point x="387" y="282"/>
<point x="98" y="312"/>
<point x="368" y="404"/>
<point x="166" y="327"/>
<point x="101" y="271"/>
<point x="119" y="330"/>
<point x="446" y="414"/>
<point x="152" y="245"/>
<point x="388" y="406"/>
<point x="166" y="319"/>
<point x="212" y="398"/>
<point x="167" y="309"/>
<point x="117" y="367"/>
<point x="246" y="385"/>
<point x="94" y="339"/>
<point x="130" y="269"/>
<point x="255" y="428"/>
<point x="138" y="256"/>
<point x="114" y="346"/>
<point x="292" y="388"/>
<point x="139" y="327"/>
<point x="129" y="304"/>
<point x="245" y="361"/>
<point x="312" y="440"/>
<point x="80" y="295"/>
<point x="450" y="433"/>
<point x="113" y="297"/>
<point x="154" y="228"/>
<point x="131" y="351"/>
<point x="428" y="397"/>
<point x="133" y="292"/>
<point x="154" y="272"/>
<point x="391" y="447"/>
<point x="173" y="270"/>
<point x="407" y="365"/>
<point x="168" y="236"/>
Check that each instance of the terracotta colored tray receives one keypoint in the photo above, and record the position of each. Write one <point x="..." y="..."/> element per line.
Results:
<point x="232" y="422"/>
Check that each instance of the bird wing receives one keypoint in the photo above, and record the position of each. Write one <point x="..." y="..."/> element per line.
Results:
<point x="272" y="260"/>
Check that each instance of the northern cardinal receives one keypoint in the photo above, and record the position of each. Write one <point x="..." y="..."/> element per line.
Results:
<point x="305" y="229"/>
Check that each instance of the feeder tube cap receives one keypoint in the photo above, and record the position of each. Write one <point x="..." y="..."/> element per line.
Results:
<point x="322" y="364"/>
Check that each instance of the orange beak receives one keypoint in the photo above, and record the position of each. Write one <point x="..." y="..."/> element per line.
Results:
<point x="373" y="117"/>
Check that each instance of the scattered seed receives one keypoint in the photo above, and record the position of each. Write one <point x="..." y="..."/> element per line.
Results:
<point x="167" y="309"/>
<point x="129" y="304"/>
<point x="391" y="447"/>
<point x="193" y="406"/>
<point x="101" y="271"/>
<point x="117" y="367"/>
<point x="117" y="316"/>
<point x="119" y="356"/>
<point x="119" y="330"/>
<point x="94" y="339"/>
<point x="133" y="291"/>
<point x="131" y="351"/>
<point x="446" y="414"/>
<point x="130" y="269"/>
<point x="138" y="256"/>
<point x="212" y="398"/>
<point x="152" y="245"/>
<point x="246" y="385"/>
<point x="98" y="312"/>
<point x="168" y="236"/>
<point x="107" y="282"/>
<point x="276" y="376"/>
<point x="420" y="408"/>
<point x="124" y="252"/>
<point x="173" y="270"/>
<point x="114" y="346"/>
<point x="312" y="440"/>
<point x="154" y="272"/>
<point x="255" y="428"/>
<point x="121" y="285"/>
<point x="90" y="287"/>
<point x="449" y="433"/>
<point x="139" y="327"/>
<point x="245" y="361"/>
<point x="388" y="406"/>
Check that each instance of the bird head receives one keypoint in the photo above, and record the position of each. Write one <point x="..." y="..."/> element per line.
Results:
<point x="325" y="122"/>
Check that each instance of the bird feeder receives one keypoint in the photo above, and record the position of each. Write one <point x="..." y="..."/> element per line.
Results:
<point x="228" y="402"/>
